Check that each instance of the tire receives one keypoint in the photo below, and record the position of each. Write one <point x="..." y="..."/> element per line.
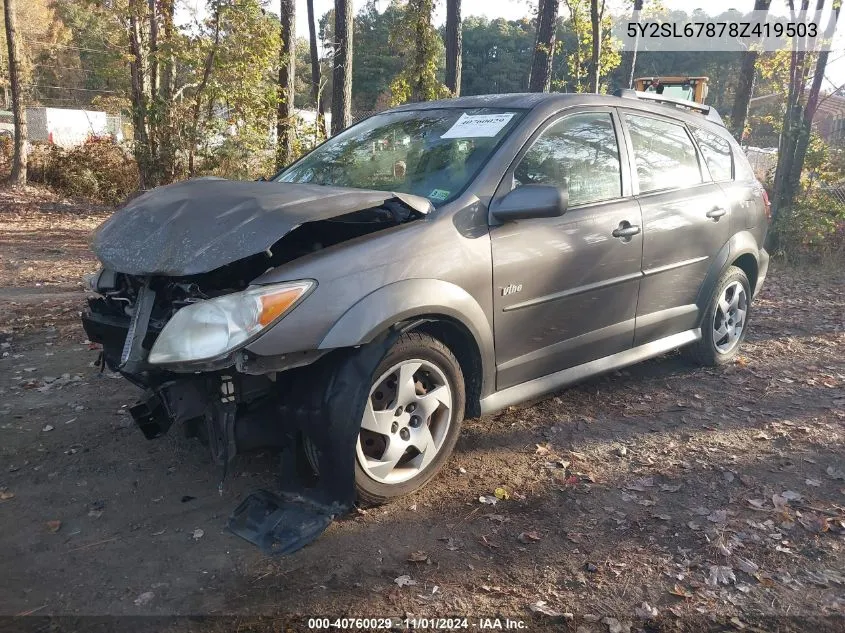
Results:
<point x="720" y="340"/>
<point x="439" y="368"/>
<point x="433" y="354"/>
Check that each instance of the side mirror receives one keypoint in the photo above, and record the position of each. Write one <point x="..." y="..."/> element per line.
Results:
<point x="531" y="201"/>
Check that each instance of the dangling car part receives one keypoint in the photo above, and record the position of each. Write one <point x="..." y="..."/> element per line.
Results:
<point x="436" y="261"/>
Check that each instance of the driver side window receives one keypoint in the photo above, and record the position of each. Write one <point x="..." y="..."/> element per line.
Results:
<point x="579" y="152"/>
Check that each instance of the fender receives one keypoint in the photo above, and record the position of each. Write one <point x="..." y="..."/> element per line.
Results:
<point x="740" y="244"/>
<point x="411" y="298"/>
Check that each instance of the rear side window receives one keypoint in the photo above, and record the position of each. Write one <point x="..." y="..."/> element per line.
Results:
<point x="744" y="171"/>
<point x="716" y="152"/>
<point x="578" y="152"/>
<point x="663" y="153"/>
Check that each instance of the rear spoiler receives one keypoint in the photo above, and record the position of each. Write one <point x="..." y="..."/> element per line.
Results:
<point x="708" y="111"/>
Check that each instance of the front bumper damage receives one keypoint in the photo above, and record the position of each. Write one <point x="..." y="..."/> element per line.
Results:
<point x="234" y="412"/>
<point x="199" y="240"/>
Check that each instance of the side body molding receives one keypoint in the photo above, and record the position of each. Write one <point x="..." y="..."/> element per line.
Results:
<point x="410" y="298"/>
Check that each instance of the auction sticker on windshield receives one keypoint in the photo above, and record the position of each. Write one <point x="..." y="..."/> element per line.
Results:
<point x="478" y="125"/>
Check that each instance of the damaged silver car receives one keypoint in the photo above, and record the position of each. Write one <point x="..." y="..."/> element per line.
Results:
<point x="434" y="262"/>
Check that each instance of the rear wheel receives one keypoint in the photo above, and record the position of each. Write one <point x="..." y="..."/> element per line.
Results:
<point x="725" y="322"/>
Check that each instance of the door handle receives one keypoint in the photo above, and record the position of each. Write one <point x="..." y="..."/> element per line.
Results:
<point x="625" y="230"/>
<point x="716" y="213"/>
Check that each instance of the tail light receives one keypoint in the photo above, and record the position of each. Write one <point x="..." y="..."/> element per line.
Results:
<point x="767" y="206"/>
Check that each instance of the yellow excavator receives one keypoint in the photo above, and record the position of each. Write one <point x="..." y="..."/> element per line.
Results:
<point x="687" y="88"/>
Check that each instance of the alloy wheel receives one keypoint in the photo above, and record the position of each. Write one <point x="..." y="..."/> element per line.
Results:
<point x="729" y="318"/>
<point x="406" y="420"/>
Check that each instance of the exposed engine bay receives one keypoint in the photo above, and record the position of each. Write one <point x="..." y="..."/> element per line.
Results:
<point x="230" y="407"/>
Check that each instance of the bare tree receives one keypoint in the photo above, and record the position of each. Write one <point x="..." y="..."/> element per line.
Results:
<point x="316" y="88"/>
<point x="745" y="85"/>
<point x="18" y="176"/>
<point x="802" y="140"/>
<point x="540" y="77"/>
<point x="632" y="56"/>
<point x="168" y="79"/>
<point x="454" y="46"/>
<point x="287" y="65"/>
<point x="596" y="16"/>
<point x="200" y="92"/>
<point x="798" y="115"/>
<point x="342" y="66"/>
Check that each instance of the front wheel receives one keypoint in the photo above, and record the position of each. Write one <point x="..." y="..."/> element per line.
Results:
<point x="725" y="322"/>
<point x="411" y="421"/>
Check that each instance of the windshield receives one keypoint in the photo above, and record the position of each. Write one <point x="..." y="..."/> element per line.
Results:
<point x="430" y="153"/>
<point x="686" y="92"/>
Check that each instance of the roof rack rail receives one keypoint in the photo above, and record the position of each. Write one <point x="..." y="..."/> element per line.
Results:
<point x="708" y="111"/>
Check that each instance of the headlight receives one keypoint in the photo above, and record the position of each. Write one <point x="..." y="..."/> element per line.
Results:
<point x="209" y="329"/>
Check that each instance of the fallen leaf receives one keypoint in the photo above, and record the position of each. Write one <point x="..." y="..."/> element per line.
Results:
<point x="718" y="516"/>
<point x="53" y="526"/>
<point x="683" y="592"/>
<point x="503" y="493"/>
<point x="487" y="499"/>
<point x="144" y="598"/>
<point x="417" y="557"/>
<point x="614" y="625"/>
<point x="791" y="495"/>
<point x="198" y="534"/>
<point x="542" y="607"/>
<point x="814" y="523"/>
<point x="451" y="545"/>
<point x="780" y="502"/>
<point x="720" y="574"/>
<point x="825" y="577"/>
<point x="757" y="503"/>
<point x="835" y="473"/>
<point x="48" y="427"/>
<point x="764" y="579"/>
<point x="5" y="495"/>
<point x="640" y="485"/>
<point x="404" y="581"/>
<point x="542" y="449"/>
<point x="749" y="567"/>
<point x="529" y="537"/>
<point x="813" y="482"/>
<point x="645" y="611"/>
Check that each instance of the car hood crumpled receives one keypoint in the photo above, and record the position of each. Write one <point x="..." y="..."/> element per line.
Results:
<point x="198" y="225"/>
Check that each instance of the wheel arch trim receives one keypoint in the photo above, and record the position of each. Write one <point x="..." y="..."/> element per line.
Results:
<point x="411" y="299"/>
<point x="742" y="243"/>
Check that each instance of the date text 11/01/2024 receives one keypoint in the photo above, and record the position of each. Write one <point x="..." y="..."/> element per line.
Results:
<point x="440" y="624"/>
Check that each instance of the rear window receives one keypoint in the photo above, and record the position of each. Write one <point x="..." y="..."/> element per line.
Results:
<point x="716" y="152"/>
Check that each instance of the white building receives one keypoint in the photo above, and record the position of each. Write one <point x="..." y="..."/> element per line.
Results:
<point x="66" y="127"/>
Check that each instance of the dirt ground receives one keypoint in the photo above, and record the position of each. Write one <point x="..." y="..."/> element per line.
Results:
<point x="664" y="497"/>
